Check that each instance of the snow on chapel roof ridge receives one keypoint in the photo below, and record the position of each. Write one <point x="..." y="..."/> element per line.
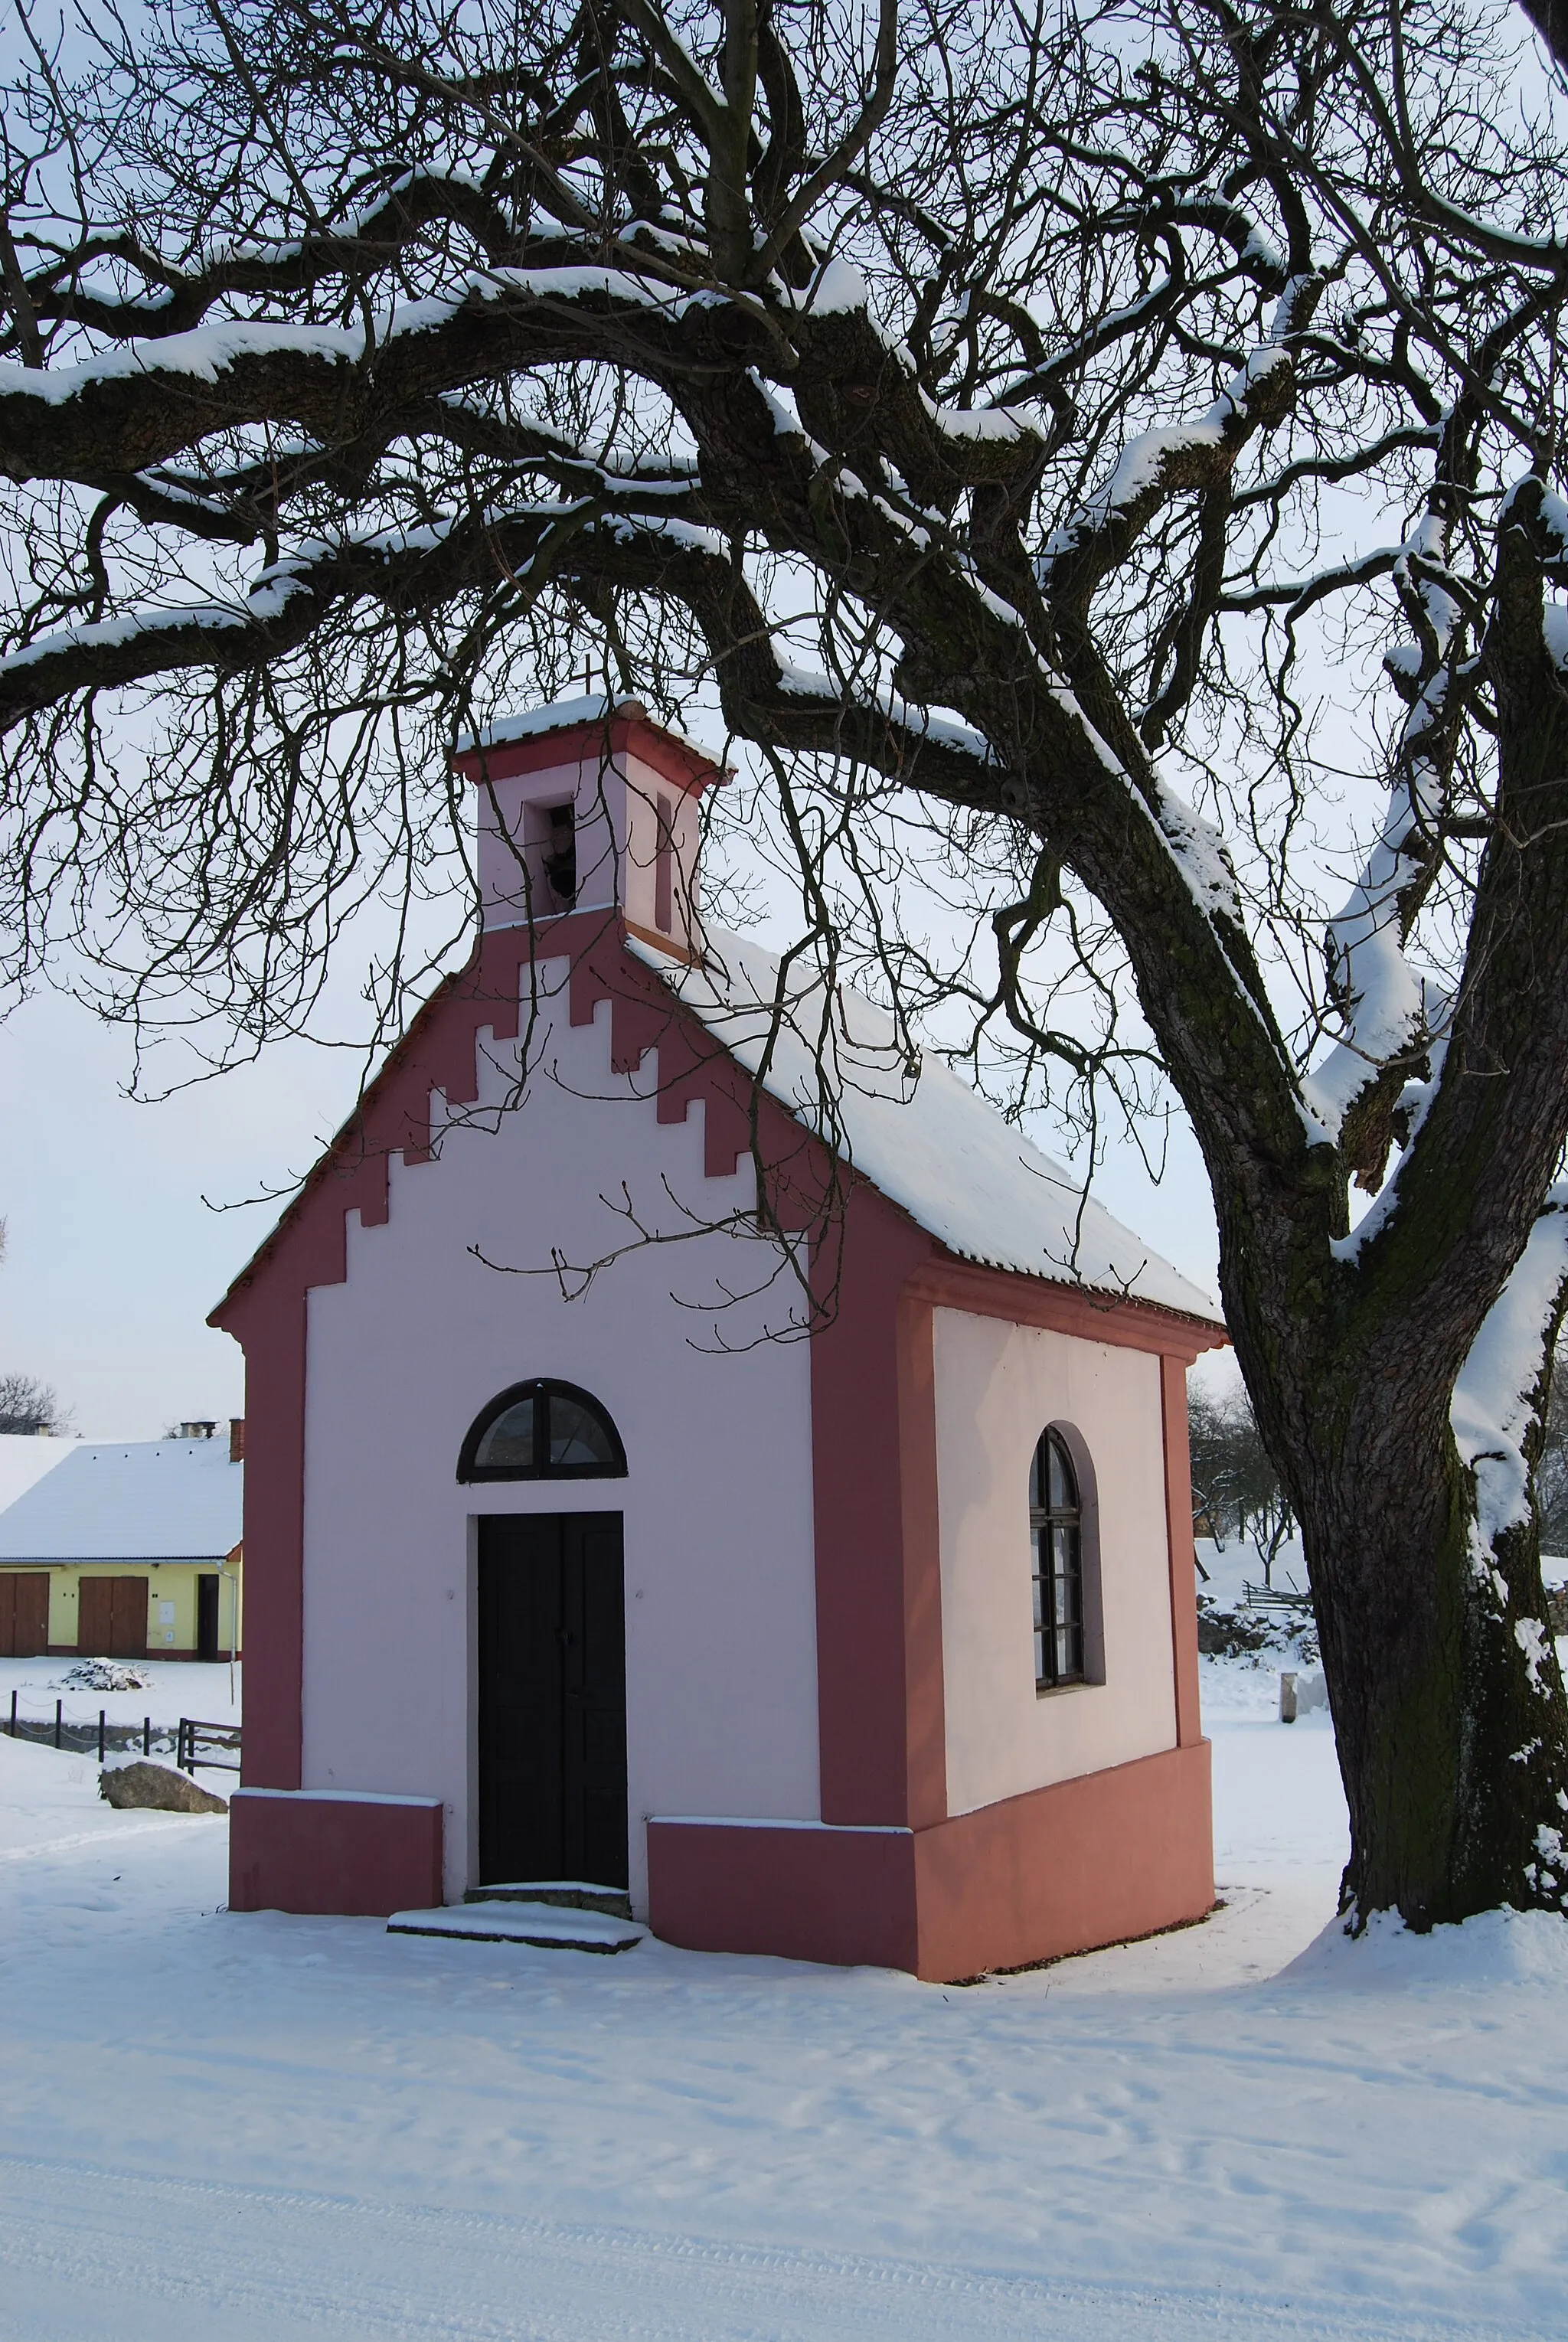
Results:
<point x="930" y="1143"/>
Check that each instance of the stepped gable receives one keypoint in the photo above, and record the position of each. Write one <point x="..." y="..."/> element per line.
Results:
<point x="440" y="1051"/>
<point x="932" y="1146"/>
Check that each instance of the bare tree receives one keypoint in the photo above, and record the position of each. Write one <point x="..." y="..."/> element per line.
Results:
<point x="1216" y="1467"/>
<point x="1237" y="1491"/>
<point x="1104" y="457"/>
<point x="26" y="1405"/>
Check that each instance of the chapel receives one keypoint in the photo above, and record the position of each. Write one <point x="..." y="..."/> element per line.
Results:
<point x="819" y="1584"/>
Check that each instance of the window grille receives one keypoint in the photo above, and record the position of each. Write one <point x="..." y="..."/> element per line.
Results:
<point x="542" y="1431"/>
<point x="1056" y="1543"/>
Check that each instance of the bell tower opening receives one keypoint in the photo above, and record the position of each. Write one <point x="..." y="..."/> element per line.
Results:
<point x="559" y="858"/>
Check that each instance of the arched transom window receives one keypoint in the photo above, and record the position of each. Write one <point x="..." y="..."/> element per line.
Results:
<point x="542" y="1431"/>
<point x="1057" y="1541"/>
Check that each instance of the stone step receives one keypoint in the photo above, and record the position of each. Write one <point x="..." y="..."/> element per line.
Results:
<point x="548" y="1927"/>
<point x="564" y="1894"/>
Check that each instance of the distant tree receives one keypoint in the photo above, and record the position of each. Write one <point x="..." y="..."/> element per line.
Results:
<point x="29" y="1406"/>
<point x="1237" y="1491"/>
<point x="1215" y="1463"/>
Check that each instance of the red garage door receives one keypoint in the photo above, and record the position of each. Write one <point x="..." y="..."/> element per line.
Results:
<point x="111" y="1619"/>
<point x="24" y="1613"/>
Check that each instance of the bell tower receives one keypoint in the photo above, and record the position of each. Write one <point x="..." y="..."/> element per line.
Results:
<point x="589" y="806"/>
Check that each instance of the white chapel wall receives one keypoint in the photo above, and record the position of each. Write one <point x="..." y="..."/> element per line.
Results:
<point x="997" y="1387"/>
<point x="721" y="1650"/>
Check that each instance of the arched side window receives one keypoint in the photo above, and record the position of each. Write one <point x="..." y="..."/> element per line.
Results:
<point x="1057" y="1545"/>
<point x="542" y="1431"/>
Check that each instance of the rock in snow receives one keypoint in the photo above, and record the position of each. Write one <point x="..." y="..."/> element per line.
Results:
<point x="157" y="1785"/>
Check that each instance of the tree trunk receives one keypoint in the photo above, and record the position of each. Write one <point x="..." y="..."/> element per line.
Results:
<point x="1443" y="1676"/>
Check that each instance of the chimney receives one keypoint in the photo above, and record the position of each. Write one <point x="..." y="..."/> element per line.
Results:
<point x="236" y="1439"/>
<point x="202" y="1430"/>
<point x="589" y="806"/>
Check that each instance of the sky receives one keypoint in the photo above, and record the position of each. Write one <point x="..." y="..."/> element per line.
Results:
<point x="128" y="1221"/>
<point x="116" y="1251"/>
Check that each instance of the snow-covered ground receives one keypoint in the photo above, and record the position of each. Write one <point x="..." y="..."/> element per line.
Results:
<point x="251" y="2128"/>
<point x="1225" y="1571"/>
<point x="175" y="1688"/>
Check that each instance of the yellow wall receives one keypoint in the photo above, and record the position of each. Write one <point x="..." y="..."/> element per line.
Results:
<point x="170" y="1603"/>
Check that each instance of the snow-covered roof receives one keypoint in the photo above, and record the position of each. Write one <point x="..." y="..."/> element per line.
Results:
<point x="928" y="1141"/>
<point x="535" y="722"/>
<point x="26" y="1456"/>
<point x="136" y="1500"/>
<point x="565" y="716"/>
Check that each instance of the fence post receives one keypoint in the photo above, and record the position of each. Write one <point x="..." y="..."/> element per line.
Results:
<point x="13" y="1716"/>
<point x="100" y="1735"/>
<point x="58" y="1706"/>
<point x="146" y="1736"/>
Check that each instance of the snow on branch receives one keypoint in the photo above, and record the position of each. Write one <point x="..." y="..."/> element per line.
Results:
<point x="260" y="266"/>
<point x="1165" y="460"/>
<point x="1384" y="1004"/>
<point x="124" y="409"/>
<point x="838" y="289"/>
<point x="207" y="352"/>
<point x="917" y="722"/>
<point x="202" y="355"/>
<point x="140" y="643"/>
<point x="1383" y="999"/>
<point x="1298" y="594"/>
<point x="1494" y="1398"/>
<point x="422" y="566"/>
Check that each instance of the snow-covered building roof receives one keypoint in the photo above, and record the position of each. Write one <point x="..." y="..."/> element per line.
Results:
<point x="136" y="1500"/>
<point x="567" y="715"/>
<point x="25" y="1457"/>
<point x="929" y="1142"/>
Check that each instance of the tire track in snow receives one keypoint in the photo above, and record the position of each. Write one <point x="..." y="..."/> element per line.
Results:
<point x="91" y="2253"/>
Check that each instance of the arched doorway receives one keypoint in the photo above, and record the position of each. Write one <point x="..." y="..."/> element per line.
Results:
<point x="551" y="1648"/>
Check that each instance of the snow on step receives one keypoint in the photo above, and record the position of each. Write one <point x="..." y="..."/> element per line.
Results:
<point x="575" y="1894"/>
<point x="547" y="1926"/>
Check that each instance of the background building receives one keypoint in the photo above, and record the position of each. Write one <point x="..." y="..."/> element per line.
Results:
<point x="129" y="1550"/>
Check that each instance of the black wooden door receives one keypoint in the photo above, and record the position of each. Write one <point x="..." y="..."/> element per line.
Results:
<point x="552" y="1633"/>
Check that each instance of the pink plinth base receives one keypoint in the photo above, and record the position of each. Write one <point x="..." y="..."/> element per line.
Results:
<point x="1087" y="1861"/>
<point x="841" y="1895"/>
<point x="358" y="1858"/>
